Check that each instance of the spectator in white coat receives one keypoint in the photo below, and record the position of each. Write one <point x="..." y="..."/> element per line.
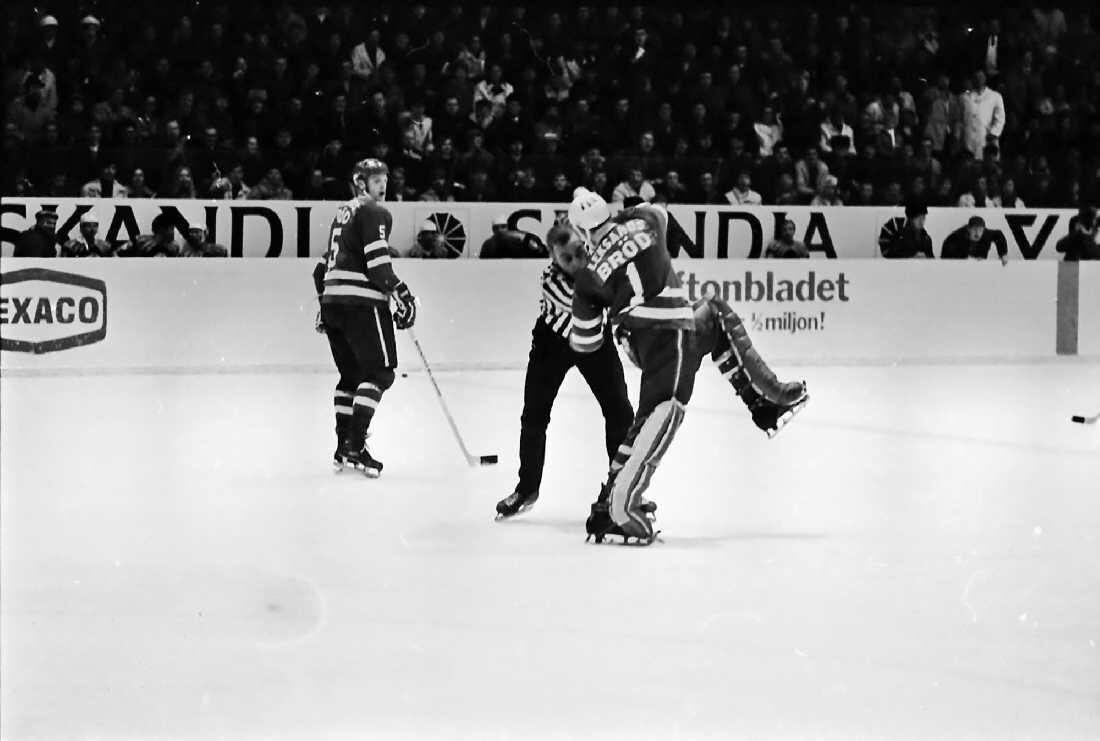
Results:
<point x="983" y="116"/>
<point x="367" y="57"/>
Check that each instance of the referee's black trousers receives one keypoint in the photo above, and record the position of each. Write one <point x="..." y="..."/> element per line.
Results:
<point x="550" y="359"/>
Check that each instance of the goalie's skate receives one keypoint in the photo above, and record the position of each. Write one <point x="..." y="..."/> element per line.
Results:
<point x="515" y="504"/>
<point x="773" y="417"/>
<point x="600" y="525"/>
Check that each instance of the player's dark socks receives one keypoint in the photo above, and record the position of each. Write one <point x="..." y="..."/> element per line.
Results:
<point x="516" y="503"/>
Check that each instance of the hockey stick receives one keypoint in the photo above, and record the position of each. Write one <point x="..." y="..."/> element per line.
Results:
<point x="473" y="460"/>
<point x="1085" y="420"/>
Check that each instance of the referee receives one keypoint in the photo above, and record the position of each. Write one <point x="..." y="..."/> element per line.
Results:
<point x="550" y="359"/>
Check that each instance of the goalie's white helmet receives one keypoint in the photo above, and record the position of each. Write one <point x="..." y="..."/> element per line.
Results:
<point x="588" y="210"/>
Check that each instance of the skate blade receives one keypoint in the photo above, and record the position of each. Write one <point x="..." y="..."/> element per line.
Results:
<point x="525" y="508"/>
<point x="370" y="473"/>
<point x="633" y="541"/>
<point x="787" y="416"/>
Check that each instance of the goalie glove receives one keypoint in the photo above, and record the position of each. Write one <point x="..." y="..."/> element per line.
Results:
<point x="404" y="306"/>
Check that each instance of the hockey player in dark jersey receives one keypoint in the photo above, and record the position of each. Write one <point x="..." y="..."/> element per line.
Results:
<point x="630" y="280"/>
<point x="356" y="285"/>
<point x="550" y="360"/>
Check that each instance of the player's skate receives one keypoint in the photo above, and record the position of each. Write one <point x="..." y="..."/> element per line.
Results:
<point x="365" y="463"/>
<point x="515" y="503"/>
<point x="340" y="458"/>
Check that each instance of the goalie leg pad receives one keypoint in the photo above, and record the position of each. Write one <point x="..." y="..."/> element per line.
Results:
<point x="647" y="448"/>
<point x="740" y="363"/>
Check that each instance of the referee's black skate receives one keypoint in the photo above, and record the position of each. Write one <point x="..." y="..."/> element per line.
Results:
<point x="515" y="503"/>
<point x="364" y="462"/>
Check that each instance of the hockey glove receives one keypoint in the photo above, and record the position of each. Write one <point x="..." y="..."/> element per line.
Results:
<point x="404" y="309"/>
<point x="319" y="324"/>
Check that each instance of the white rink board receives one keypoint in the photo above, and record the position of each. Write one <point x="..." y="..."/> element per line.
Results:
<point x="169" y="315"/>
<point x="1088" y="321"/>
<point x="301" y="228"/>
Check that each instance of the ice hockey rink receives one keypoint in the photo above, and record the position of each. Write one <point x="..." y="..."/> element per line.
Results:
<point x="915" y="556"/>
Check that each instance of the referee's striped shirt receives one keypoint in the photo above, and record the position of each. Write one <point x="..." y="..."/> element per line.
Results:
<point x="557" y="300"/>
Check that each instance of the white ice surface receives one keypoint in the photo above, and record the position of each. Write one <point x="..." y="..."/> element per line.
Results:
<point x="916" y="556"/>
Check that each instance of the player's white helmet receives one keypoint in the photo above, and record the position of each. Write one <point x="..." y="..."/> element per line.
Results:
<point x="588" y="210"/>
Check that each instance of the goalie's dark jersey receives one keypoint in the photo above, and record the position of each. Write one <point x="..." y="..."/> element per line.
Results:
<point x="630" y="275"/>
<point x="358" y="269"/>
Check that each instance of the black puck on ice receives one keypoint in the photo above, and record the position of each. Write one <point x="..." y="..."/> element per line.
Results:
<point x="404" y="375"/>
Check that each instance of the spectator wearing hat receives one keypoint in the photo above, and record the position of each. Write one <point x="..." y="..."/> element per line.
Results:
<point x="161" y="243"/>
<point x="198" y="244"/>
<point x="973" y="242"/>
<point x="48" y="48"/>
<point x="911" y="240"/>
<point x="1080" y="243"/>
<point x="430" y="244"/>
<point x="87" y="244"/>
<point x="510" y="243"/>
<point x="41" y="239"/>
<point x="87" y="61"/>
<point x="785" y="246"/>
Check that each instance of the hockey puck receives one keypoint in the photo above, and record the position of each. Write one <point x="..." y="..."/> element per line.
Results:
<point x="404" y="375"/>
<point x="1078" y="419"/>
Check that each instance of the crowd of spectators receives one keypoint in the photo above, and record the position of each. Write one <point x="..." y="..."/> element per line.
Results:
<point x="860" y="104"/>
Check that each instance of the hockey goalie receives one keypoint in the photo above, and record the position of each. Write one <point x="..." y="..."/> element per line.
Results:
<point x="629" y="282"/>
